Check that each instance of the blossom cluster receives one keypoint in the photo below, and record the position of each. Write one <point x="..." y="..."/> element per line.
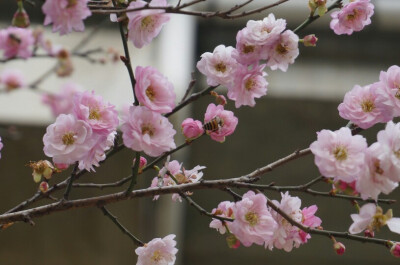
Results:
<point x="84" y="134"/>
<point x="239" y="68"/>
<point x="255" y="223"/>
<point x="346" y="157"/>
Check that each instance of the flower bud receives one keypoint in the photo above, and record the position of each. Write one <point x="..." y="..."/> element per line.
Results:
<point x="339" y="248"/>
<point x="44" y="186"/>
<point x="395" y="250"/>
<point x="192" y="129"/>
<point x="20" y="18"/>
<point x="142" y="163"/>
<point x="369" y="233"/>
<point x="310" y="40"/>
<point x="232" y="241"/>
<point x="61" y="166"/>
<point x="220" y="99"/>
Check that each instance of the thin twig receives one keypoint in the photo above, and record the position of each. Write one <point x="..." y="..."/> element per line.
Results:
<point x="71" y="180"/>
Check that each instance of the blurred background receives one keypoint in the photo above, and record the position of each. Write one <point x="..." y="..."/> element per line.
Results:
<point x="299" y="103"/>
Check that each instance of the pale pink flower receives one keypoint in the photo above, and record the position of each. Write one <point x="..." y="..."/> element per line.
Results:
<point x="157" y="252"/>
<point x="97" y="153"/>
<point x="1" y="145"/>
<point x="12" y="79"/>
<point x="148" y="131"/>
<point x="374" y="177"/>
<point x="388" y="88"/>
<point x="145" y="25"/>
<point x="363" y="218"/>
<point x="287" y="236"/>
<point x="219" y="67"/>
<point x="248" y="85"/>
<point x="339" y="154"/>
<point x="226" y="119"/>
<point x="67" y="140"/>
<point x="253" y="221"/>
<point x="264" y="32"/>
<point x="66" y="15"/>
<point x="16" y="42"/>
<point x="224" y="209"/>
<point x="62" y="102"/>
<point x="192" y="129"/>
<point x="154" y="90"/>
<point x="361" y="107"/>
<point x="99" y="114"/>
<point x="246" y="52"/>
<point x="353" y="16"/>
<point x="309" y="219"/>
<point x="390" y="138"/>
<point x="283" y="51"/>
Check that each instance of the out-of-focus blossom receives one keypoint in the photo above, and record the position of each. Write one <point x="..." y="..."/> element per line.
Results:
<point x="148" y="131"/>
<point x="20" y="18"/>
<point x="395" y="250"/>
<point x="160" y="251"/>
<point x="12" y="79"/>
<point x="154" y="90"/>
<point x="64" y="66"/>
<point x="62" y="102"/>
<point x="16" y="42"/>
<point x="145" y="25"/>
<point x="353" y="16"/>
<point x="1" y="145"/>
<point x="192" y="129"/>
<point x="226" y="122"/>
<point x="66" y="15"/>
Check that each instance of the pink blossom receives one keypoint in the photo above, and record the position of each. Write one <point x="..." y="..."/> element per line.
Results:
<point x="97" y="153"/>
<point x="158" y="252"/>
<point x="145" y="25"/>
<point x="148" y="131"/>
<point x="192" y="129"/>
<point x="310" y="40"/>
<point x="388" y="89"/>
<point x="363" y="219"/>
<point x="219" y="67"/>
<point x="339" y="154"/>
<point x="309" y="219"/>
<point x="227" y="122"/>
<point x="66" y="15"/>
<point x="224" y="209"/>
<point x="248" y="85"/>
<point x="353" y="16"/>
<point x="339" y="248"/>
<point x="153" y="90"/>
<point x="348" y="188"/>
<point x="246" y="52"/>
<point x="253" y="221"/>
<point x="100" y="115"/>
<point x="283" y="51"/>
<point x="360" y="106"/>
<point x="142" y="163"/>
<point x="67" y="140"/>
<point x="12" y="79"/>
<point x="62" y="102"/>
<point x="264" y="32"/>
<point x="395" y="250"/>
<point x="16" y="42"/>
<point x="374" y="178"/>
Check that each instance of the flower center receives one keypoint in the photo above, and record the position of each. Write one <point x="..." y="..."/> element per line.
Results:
<point x="150" y="93"/>
<point x="251" y="218"/>
<point x="94" y="114"/>
<point x="248" y="49"/>
<point x="352" y="16"/>
<point x="367" y="105"/>
<point x="281" y="49"/>
<point x="249" y="84"/>
<point x="266" y="29"/>
<point x="156" y="256"/>
<point x="378" y="168"/>
<point x="72" y="3"/>
<point x="147" y="129"/>
<point x="220" y="67"/>
<point x="68" y="138"/>
<point x="147" y="22"/>
<point x="397" y="153"/>
<point x="340" y="153"/>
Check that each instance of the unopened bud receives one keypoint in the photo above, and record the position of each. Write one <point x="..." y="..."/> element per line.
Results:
<point x="20" y="18"/>
<point x="220" y="99"/>
<point x="369" y="233"/>
<point x="44" y="186"/>
<point x="339" y="248"/>
<point x="310" y="40"/>
<point x="395" y="250"/>
<point x="142" y="163"/>
<point x="232" y="241"/>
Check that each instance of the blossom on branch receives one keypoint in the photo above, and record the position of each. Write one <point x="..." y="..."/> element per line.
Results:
<point x="12" y="79"/>
<point x="283" y="51"/>
<point x="145" y="25"/>
<point x="16" y="42"/>
<point x="354" y="16"/>
<point x="224" y="209"/>
<point x="66" y="15"/>
<point x="192" y="129"/>
<point x="226" y="125"/>
<point x="159" y="251"/>
<point x="388" y="88"/>
<point x="62" y="102"/>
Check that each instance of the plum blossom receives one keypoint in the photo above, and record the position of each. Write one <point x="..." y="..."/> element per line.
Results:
<point x="388" y="88"/>
<point x="148" y="131"/>
<point x="219" y="67"/>
<point x="395" y="250"/>
<point x="62" y="102"/>
<point x="309" y="219"/>
<point x="12" y="79"/>
<point x="16" y="42"/>
<point x="159" y="251"/>
<point x="66" y="15"/>
<point x="363" y="107"/>
<point x="100" y="115"/>
<point x="283" y="51"/>
<point x="145" y="25"/>
<point x="253" y="221"/>
<point x="264" y="32"/>
<point x="339" y="154"/>
<point x="371" y="217"/>
<point x="224" y="209"/>
<point x="246" y="52"/>
<point x="248" y="85"/>
<point x="227" y="122"/>
<point x="353" y="16"/>
<point x="192" y="129"/>
<point x="68" y="140"/>
<point x="153" y="90"/>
